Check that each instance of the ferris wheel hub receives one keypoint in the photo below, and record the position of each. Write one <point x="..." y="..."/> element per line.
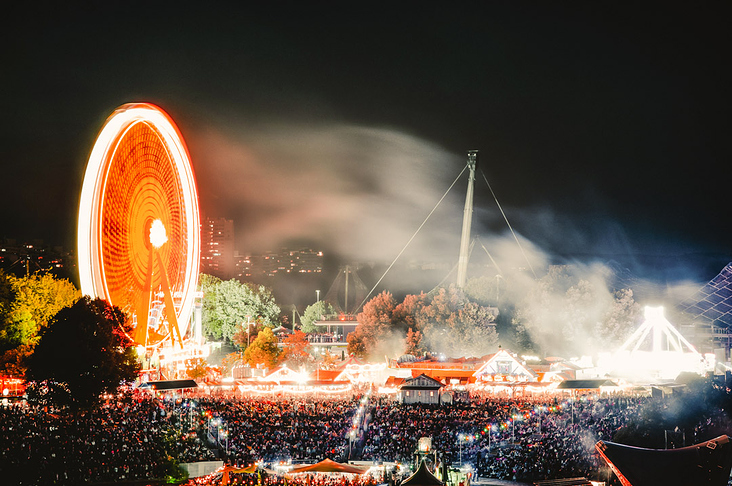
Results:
<point x="158" y="237"/>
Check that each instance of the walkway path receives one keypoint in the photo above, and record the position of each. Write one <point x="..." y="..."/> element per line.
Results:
<point x="496" y="482"/>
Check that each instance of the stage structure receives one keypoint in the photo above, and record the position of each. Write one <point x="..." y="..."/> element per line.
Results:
<point x="656" y="351"/>
<point x="139" y="230"/>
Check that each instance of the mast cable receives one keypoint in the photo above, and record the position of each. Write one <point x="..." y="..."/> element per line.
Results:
<point x="410" y="240"/>
<point x="509" y="224"/>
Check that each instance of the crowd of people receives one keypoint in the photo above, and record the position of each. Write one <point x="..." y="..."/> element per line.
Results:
<point x="514" y="439"/>
<point x="524" y="439"/>
<point x="272" y="429"/>
<point x="130" y="437"/>
<point x="138" y="436"/>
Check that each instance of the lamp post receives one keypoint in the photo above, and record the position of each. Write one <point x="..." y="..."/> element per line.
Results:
<point x="572" y="402"/>
<point x="248" y="324"/>
<point x="317" y="296"/>
<point x="460" y="443"/>
<point x="227" y="439"/>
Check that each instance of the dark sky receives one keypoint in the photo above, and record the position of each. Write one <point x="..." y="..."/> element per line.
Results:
<point x="603" y="128"/>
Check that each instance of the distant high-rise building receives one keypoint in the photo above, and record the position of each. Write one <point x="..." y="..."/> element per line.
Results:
<point x="285" y="261"/>
<point x="217" y="248"/>
<point x="306" y="261"/>
<point x="244" y="266"/>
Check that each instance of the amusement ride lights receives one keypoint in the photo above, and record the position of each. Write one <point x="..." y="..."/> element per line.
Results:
<point x="138" y="230"/>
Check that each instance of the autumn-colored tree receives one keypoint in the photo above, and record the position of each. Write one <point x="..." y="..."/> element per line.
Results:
<point x="246" y="332"/>
<point x="35" y="300"/>
<point x="408" y="320"/>
<point x="328" y="360"/>
<point x="413" y="343"/>
<point x="375" y="326"/>
<point x="263" y="350"/>
<point x="455" y="326"/>
<point x="228" y="362"/>
<point x="196" y="368"/>
<point x="27" y="304"/>
<point x="296" y="350"/>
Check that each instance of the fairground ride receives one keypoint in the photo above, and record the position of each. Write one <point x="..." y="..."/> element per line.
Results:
<point x="139" y="232"/>
<point x="655" y="352"/>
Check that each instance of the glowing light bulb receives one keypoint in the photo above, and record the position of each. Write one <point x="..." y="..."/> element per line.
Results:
<point x="158" y="237"/>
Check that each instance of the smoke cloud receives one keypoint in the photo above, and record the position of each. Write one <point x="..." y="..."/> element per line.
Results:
<point x="360" y="192"/>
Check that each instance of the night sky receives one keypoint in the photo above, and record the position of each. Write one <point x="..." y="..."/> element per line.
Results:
<point x="602" y="128"/>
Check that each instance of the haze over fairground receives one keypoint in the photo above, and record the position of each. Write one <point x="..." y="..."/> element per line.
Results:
<point x="601" y="127"/>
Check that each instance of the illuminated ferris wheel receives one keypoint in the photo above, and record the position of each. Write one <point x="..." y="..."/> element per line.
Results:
<point x="138" y="234"/>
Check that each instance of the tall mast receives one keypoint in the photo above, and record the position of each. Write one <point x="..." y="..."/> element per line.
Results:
<point x="462" y="271"/>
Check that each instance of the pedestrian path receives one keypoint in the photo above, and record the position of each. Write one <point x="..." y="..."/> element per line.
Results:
<point x="495" y="482"/>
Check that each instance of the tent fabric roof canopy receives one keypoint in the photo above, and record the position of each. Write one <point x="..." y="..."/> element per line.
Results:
<point x="170" y="384"/>
<point x="422" y="477"/>
<point x="328" y="466"/>
<point x="584" y="384"/>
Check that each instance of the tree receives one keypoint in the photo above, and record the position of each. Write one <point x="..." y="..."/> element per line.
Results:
<point x="620" y="320"/>
<point x="455" y="326"/>
<point x="375" y="326"/>
<point x="572" y="311"/>
<point x="247" y="331"/>
<point x="447" y="323"/>
<point x="296" y="350"/>
<point x="7" y="295"/>
<point x="484" y="290"/>
<point x="406" y="319"/>
<point x="263" y="350"/>
<point x="228" y="304"/>
<point x="196" y="368"/>
<point x="413" y="343"/>
<point x="315" y="312"/>
<point x="328" y="360"/>
<point x="228" y="363"/>
<point x="85" y="351"/>
<point x="27" y="304"/>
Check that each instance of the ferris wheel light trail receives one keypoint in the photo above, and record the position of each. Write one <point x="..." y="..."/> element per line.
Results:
<point x="138" y="229"/>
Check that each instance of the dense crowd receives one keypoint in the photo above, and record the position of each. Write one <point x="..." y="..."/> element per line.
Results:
<point x="272" y="429"/>
<point x="130" y="437"/>
<point x="136" y="436"/>
<point x="552" y="440"/>
<point x="514" y="439"/>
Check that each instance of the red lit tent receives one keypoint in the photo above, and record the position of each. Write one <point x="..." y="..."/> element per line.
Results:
<point x="328" y="466"/>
